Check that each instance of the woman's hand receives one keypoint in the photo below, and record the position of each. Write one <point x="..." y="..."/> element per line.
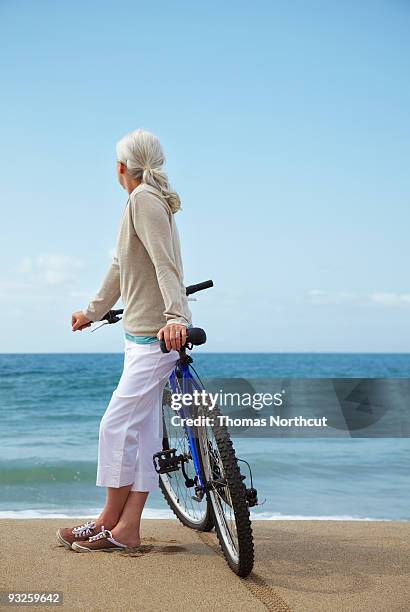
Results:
<point x="174" y="335"/>
<point x="79" y="321"/>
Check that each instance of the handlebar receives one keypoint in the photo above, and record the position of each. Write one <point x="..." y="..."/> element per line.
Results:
<point x="112" y="316"/>
<point x="199" y="287"/>
<point x="194" y="337"/>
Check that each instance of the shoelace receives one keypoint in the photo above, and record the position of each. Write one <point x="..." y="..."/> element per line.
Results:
<point x="104" y="533"/>
<point x="84" y="530"/>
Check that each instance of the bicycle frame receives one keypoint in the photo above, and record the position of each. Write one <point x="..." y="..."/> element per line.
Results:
<point x="212" y="470"/>
<point x="182" y="372"/>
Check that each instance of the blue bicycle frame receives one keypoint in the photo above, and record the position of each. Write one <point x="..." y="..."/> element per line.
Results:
<point x="182" y="372"/>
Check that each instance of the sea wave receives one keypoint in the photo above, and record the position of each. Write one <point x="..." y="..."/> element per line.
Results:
<point x="160" y="513"/>
<point x="277" y="516"/>
<point x="35" y="472"/>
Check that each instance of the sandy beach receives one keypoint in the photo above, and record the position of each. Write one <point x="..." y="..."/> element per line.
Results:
<point x="304" y="566"/>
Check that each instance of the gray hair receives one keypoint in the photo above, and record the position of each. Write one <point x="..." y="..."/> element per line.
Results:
<point x="142" y="154"/>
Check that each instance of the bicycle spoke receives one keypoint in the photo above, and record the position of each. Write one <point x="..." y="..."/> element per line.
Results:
<point x="174" y="482"/>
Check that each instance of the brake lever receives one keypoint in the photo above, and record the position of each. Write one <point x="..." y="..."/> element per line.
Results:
<point x="113" y="319"/>
<point x="98" y="326"/>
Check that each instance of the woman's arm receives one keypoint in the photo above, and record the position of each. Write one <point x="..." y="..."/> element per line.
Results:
<point x="108" y="294"/>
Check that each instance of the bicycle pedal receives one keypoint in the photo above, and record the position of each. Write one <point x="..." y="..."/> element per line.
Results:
<point x="199" y="494"/>
<point x="166" y="461"/>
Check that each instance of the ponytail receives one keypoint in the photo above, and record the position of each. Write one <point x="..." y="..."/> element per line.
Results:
<point x="142" y="154"/>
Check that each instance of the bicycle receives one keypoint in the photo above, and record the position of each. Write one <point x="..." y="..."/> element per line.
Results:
<point x="198" y="470"/>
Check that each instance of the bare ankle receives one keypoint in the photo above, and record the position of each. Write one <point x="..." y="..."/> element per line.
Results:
<point x="128" y="527"/>
<point x="107" y="520"/>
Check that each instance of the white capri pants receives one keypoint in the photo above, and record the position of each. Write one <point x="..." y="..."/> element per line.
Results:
<point x="131" y="427"/>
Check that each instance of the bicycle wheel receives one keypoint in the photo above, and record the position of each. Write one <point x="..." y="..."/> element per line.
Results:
<point x="227" y="493"/>
<point x="192" y="510"/>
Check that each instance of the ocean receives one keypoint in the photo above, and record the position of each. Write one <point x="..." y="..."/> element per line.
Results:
<point x="51" y="405"/>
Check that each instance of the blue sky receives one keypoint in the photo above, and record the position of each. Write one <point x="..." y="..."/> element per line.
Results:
<point x="286" y="131"/>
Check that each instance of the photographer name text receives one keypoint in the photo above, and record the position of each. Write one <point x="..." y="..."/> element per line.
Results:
<point x="273" y="421"/>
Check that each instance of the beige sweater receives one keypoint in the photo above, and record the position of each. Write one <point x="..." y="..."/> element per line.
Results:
<point x="147" y="270"/>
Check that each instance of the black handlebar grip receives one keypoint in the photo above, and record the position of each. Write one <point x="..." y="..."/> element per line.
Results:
<point x="194" y="335"/>
<point x="199" y="287"/>
<point x="163" y="346"/>
<point x="111" y="316"/>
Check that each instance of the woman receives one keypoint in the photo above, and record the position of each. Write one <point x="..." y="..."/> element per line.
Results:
<point x="147" y="273"/>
